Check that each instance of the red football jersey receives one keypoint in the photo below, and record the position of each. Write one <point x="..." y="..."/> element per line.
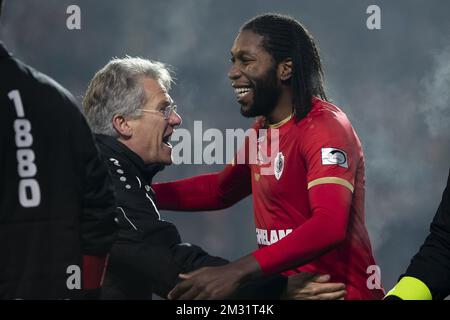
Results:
<point x="322" y="148"/>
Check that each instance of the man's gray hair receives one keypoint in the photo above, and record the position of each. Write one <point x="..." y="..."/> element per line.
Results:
<point x="117" y="90"/>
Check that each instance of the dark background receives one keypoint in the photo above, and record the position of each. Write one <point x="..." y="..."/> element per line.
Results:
<point x="393" y="84"/>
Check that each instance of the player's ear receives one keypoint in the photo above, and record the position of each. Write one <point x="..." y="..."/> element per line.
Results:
<point x="122" y="126"/>
<point x="285" y="69"/>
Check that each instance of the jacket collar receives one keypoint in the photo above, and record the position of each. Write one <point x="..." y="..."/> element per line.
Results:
<point x="147" y="170"/>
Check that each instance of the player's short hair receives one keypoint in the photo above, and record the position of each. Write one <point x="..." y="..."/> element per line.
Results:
<point x="285" y="37"/>
<point x="117" y="89"/>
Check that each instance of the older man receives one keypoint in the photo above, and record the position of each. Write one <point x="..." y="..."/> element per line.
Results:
<point x="129" y="108"/>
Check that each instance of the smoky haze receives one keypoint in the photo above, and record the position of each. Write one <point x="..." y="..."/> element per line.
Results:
<point x="393" y="83"/>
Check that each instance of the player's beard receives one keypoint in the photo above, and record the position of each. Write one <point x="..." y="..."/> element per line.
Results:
<point x="266" y="92"/>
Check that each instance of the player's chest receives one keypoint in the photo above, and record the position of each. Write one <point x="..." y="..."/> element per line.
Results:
<point x="279" y="168"/>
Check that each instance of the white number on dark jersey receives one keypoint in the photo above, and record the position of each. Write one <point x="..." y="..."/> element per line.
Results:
<point x="29" y="192"/>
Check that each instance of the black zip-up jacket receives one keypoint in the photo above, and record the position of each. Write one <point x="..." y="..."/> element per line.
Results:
<point x="148" y="254"/>
<point x="56" y="197"/>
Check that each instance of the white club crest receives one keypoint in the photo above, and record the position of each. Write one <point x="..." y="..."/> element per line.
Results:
<point x="278" y="165"/>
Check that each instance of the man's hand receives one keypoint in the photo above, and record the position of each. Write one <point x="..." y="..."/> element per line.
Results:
<point x="310" y="286"/>
<point x="215" y="282"/>
<point x="207" y="283"/>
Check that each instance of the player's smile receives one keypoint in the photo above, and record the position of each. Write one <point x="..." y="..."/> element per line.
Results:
<point x="244" y="94"/>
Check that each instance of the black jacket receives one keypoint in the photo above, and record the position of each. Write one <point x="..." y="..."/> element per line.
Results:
<point x="56" y="198"/>
<point x="432" y="263"/>
<point x="148" y="254"/>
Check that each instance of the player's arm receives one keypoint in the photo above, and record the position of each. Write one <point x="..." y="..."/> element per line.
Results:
<point x="221" y="282"/>
<point x="209" y="191"/>
<point x="330" y="206"/>
<point x="205" y="192"/>
<point x="428" y="275"/>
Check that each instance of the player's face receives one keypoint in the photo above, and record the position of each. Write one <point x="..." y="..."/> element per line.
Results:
<point x="253" y="75"/>
<point x="151" y="132"/>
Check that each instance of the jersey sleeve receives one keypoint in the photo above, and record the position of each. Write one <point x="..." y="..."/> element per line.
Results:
<point x="331" y="151"/>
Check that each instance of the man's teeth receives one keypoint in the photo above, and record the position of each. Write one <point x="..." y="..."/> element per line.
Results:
<point x="166" y="141"/>
<point x="242" y="91"/>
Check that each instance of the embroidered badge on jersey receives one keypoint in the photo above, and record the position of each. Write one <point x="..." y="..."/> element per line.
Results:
<point x="278" y="165"/>
<point x="334" y="156"/>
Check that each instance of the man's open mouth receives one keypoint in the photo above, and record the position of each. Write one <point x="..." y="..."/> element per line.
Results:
<point x="242" y="92"/>
<point x="166" y="140"/>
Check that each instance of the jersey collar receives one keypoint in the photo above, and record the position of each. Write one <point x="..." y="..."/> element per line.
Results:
<point x="282" y="122"/>
<point x="147" y="170"/>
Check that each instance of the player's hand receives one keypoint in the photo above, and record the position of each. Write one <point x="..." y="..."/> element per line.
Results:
<point x="310" y="286"/>
<point x="207" y="283"/>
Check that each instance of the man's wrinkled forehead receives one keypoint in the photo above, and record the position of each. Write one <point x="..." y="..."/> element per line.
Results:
<point x="163" y="99"/>
<point x="166" y="99"/>
<point x="156" y="92"/>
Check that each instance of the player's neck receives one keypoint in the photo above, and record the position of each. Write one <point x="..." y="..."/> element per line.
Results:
<point x="282" y="111"/>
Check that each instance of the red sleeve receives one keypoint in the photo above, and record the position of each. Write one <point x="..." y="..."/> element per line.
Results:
<point x="330" y="205"/>
<point x="212" y="191"/>
<point x="205" y="192"/>
<point x="209" y="191"/>
<point x="331" y="151"/>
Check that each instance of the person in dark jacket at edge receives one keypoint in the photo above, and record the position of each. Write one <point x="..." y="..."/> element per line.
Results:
<point x="128" y="107"/>
<point x="56" y="197"/>
<point x="428" y="275"/>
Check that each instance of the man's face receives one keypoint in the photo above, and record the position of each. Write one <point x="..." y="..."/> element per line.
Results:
<point x="151" y="132"/>
<point x="253" y="75"/>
